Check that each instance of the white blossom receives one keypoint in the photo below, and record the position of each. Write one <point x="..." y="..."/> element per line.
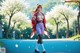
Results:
<point x="57" y="11"/>
<point x="13" y="6"/>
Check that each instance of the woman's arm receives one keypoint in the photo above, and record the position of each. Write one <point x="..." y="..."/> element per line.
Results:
<point x="44" y="22"/>
<point x="33" y="21"/>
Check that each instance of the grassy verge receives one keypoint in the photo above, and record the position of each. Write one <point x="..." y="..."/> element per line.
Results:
<point x="1" y="44"/>
<point x="76" y="37"/>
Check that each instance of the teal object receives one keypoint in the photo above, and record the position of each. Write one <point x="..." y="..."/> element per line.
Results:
<point x="51" y="46"/>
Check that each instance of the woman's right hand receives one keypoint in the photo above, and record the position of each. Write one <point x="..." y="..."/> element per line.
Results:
<point x="45" y="29"/>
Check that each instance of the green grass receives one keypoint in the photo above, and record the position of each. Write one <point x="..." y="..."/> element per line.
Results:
<point x="76" y="37"/>
<point x="1" y="44"/>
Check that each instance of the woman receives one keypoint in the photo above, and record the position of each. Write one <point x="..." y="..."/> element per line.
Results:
<point x="38" y="25"/>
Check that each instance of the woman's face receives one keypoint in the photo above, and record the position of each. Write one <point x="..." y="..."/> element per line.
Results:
<point x="39" y="9"/>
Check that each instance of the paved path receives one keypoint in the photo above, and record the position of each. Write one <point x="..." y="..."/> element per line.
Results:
<point x="51" y="46"/>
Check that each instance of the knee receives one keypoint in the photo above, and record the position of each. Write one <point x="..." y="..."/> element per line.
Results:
<point x="39" y="39"/>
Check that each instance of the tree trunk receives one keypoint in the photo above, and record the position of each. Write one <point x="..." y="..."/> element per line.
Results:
<point x="78" y="19"/>
<point x="67" y="33"/>
<point x="57" y="30"/>
<point x="1" y="29"/>
<point x="13" y="26"/>
<point x="8" y="29"/>
<point x="78" y="25"/>
<point x="13" y="30"/>
<point x="56" y="27"/>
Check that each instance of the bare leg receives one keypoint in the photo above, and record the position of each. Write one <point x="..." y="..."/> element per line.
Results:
<point x="43" y="47"/>
<point x="37" y="45"/>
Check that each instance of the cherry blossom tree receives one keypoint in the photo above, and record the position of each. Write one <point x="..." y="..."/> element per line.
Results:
<point x="62" y="13"/>
<point x="11" y="7"/>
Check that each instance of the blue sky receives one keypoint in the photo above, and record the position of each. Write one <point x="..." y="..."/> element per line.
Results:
<point x="35" y="2"/>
